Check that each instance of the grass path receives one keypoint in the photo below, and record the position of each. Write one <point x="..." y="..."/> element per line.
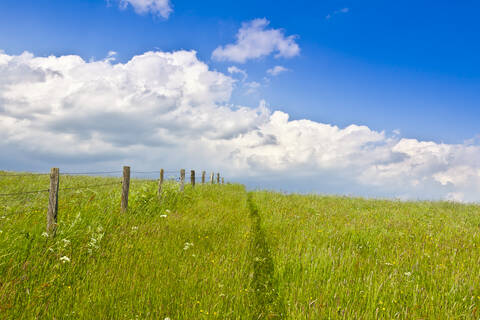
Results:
<point x="268" y="303"/>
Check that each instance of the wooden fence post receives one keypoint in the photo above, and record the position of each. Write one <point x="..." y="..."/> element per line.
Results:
<point x="203" y="177"/>
<point x="192" y="178"/>
<point x="125" y="187"/>
<point x="53" y="200"/>
<point x="218" y="178"/>
<point x="160" y="182"/>
<point x="182" y="179"/>
<point x="211" y="178"/>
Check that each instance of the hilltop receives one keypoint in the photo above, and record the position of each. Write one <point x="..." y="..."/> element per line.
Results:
<point x="220" y="252"/>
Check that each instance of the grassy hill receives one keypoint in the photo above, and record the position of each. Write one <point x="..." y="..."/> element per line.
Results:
<point x="218" y="252"/>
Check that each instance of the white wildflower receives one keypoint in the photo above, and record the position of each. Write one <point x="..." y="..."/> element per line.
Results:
<point x="134" y="228"/>
<point x="65" y="259"/>
<point x="167" y="318"/>
<point x="187" y="245"/>
<point x="167" y="211"/>
<point x="163" y="216"/>
<point x="44" y="234"/>
<point x="408" y="274"/>
<point x="66" y="242"/>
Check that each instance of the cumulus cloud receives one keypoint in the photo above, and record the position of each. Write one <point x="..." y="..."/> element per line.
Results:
<point x="275" y="71"/>
<point x="255" y="40"/>
<point x="161" y="8"/>
<point x="168" y="109"/>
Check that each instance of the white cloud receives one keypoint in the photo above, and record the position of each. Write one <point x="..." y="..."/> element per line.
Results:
<point x="236" y="70"/>
<point x="343" y="10"/>
<point x="251" y="87"/>
<point x="161" y="8"/>
<point x="254" y="41"/>
<point x="275" y="71"/>
<point x="111" y="56"/>
<point x="170" y="110"/>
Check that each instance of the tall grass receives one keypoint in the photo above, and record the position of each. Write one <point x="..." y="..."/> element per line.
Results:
<point x="367" y="259"/>
<point x="185" y="257"/>
<point x="218" y="252"/>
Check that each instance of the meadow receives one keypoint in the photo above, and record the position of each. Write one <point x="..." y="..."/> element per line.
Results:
<point x="220" y="252"/>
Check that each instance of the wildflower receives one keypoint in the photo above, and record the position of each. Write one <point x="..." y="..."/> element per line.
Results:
<point x="66" y="242"/>
<point x="44" y="234"/>
<point x="408" y="274"/>
<point x="187" y="245"/>
<point x="135" y="228"/>
<point x="65" y="259"/>
<point x="163" y="216"/>
<point x="167" y="318"/>
<point x="167" y="211"/>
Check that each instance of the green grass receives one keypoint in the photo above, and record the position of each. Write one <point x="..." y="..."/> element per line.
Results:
<point x="216" y="252"/>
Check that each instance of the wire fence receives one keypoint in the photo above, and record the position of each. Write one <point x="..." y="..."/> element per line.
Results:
<point x="179" y="176"/>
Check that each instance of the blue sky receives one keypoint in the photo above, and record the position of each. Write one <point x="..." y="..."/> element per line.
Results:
<point x="408" y="71"/>
<point x="410" y="65"/>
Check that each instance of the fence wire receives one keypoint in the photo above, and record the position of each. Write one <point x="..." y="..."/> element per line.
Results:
<point x="31" y="174"/>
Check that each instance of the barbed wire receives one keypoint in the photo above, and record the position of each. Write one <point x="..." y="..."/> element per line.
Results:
<point x="89" y="173"/>
<point x="24" y="174"/>
<point x="20" y="193"/>
<point x="90" y="186"/>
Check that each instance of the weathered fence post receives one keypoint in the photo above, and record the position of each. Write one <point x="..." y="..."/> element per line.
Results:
<point x="211" y="178"/>
<point x="160" y="182"/>
<point x="223" y="181"/>
<point x="125" y="187"/>
<point x="53" y="200"/>
<point x="182" y="179"/>
<point x="203" y="177"/>
<point x="218" y="178"/>
<point x="192" y="177"/>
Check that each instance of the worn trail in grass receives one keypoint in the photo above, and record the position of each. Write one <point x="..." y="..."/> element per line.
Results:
<point x="268" y="303"/>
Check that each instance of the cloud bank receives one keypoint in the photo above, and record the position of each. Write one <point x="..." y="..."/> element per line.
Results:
<point x="168" y="109"/>
<point x="255" y="40"/>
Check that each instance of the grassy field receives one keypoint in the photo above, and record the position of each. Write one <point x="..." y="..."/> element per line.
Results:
<point x="218" y="252"/>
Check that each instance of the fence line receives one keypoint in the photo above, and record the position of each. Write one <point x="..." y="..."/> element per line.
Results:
<point x="52" y="212"/>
